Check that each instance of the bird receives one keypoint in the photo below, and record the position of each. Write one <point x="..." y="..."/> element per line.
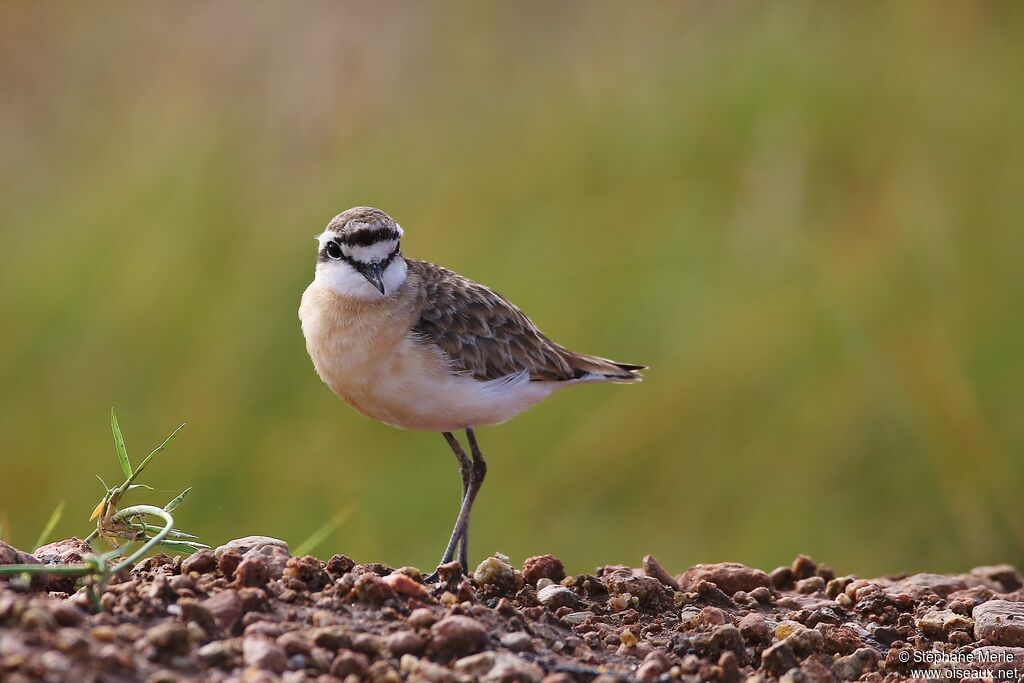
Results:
<point x="420" y="347"/>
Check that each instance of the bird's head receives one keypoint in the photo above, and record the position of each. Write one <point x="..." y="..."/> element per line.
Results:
<point x="359" y="254"/>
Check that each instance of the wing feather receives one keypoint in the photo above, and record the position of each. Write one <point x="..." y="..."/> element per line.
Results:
<point x="483" y="333"/>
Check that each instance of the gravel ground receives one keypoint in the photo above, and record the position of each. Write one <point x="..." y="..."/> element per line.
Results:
<point x="248" y="611"/>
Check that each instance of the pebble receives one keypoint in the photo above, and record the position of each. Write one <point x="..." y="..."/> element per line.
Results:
<point x="402" y="584"/>
<point x="496" y="571"/>
<point x="252" y="572"/>
<point x="226" y="609"/>
<point x="219" y="653"/>
<point x="264" y="654"/>
<point x="543" y="567"/>
<point x="421" y="617"/>
<point x="712" y="616"/>
<point x="778" y="659"/>
<point x="852" y="667"/>
<point x="168" y="638"/>
<point x="1005" y="575"/>
<point x="457" y="635"/>
<point x="754" y="628"/>
<point x="813" y="584"/>
<point x="938" y="624"/>
<point x="555" y="596"/>
<point x="509" y="667"/>
<point x="417" y="669"/>
<point x="272" y="551"/>
<point x="730" y="577"/>
<point x="349" y="663"/>
<point x="201" y="562"/>
<point x="517" y="641"/>
<point x="1000" y="622"/>
<point x="405" y="643"/>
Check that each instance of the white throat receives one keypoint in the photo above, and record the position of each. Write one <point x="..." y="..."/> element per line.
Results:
<point x="345" y="280"/>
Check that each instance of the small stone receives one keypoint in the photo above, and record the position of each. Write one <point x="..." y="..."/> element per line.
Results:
<point x="754" y="628"/>
<point x="421" y="617"/>
<point x="517" y="641"/>
<point x="294" y="644"/>
<point x="654" y="569"/>
<point x="812" y="584"/>
<point x="495" y="571"/>
<point x="330" y="637"/>
<point x="730" y="577"/>
<point x="555" y="596"/>
<point x="852" y="667"/>
<point x="38" y="619"/>
<point x="194" y="612"/>
<point x="1005" y="575"/>
<point x="937" y="624"/>
<point x="778" y="659"/>
<point x="839" y="639"/>
<point x="402" y="584"/>
<point x="168" y="638"/>
<point x="836" y="586"/>
<point x="219" y="653"/>
<point x="649" y="592"/>
<point x="1000" y="622"/>
<point x="308" y="570"/>
<point x="69" y="551"/>
<point x="803" y="567"/>
<point x="273" y="552"/>
<point x="762" y="595"/>
<point x="508" y="667"/>
<point x="458" y="635"/>
<point x="712" y="616"/>
<point x="619" y="603"/>
<point x="417" y="669"/>
<point x="373" y="590"/>
<point x="405" y="643"/>
<point x="781" y="577"/>
<point x="264" y="654"/>
<point x="227" y="562"/>
<point x="543" y="567"/>
<point x="252" y="572"/>
<point x="201" y="562"/>
<point x="349" y="663"/>
<point x="787" y="627"/>
<point x="226" y="608"/>
<point x="367" y="643"/>
<point x="339" y="565"/>
<point x="806" y="642"/>
<point x="576" y="618"/>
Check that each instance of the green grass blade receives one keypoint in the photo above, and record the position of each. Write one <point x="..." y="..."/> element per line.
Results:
<point x="149" y="457"/>
<point x="51" y="524"/>
<point x="183" y="546"/>
<point x="122" y="452"/>
<point x="177" y="501"/>
<point x="321" y="534"/>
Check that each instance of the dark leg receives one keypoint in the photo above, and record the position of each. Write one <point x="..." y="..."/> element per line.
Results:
<point x="477" y="471"/>
<point x="466" y="470"/>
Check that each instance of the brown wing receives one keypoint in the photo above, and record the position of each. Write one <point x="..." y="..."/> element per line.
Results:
<point x="483" y="333"/>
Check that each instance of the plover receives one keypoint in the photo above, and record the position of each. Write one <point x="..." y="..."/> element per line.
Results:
<point x="417" y="346"/>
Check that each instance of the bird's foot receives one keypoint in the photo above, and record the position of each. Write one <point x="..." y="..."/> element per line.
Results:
<point x="447" y="573"/>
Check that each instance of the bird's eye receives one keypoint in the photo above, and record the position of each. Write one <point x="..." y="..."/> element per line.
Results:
<point x="333" y="250"/>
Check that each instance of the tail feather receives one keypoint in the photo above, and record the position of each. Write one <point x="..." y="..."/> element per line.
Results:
<point x="595" y="368"/>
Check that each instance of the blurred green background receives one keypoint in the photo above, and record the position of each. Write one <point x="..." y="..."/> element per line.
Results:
<point x="805" y="217"/>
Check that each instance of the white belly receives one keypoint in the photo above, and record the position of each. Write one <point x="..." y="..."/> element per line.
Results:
<point x="384" y="373"/>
